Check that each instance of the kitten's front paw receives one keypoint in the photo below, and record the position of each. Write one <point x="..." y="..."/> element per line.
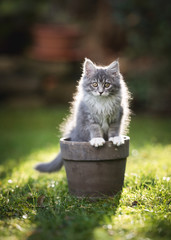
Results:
<point x="96" y="142"/>
<point x="119" y="140"/>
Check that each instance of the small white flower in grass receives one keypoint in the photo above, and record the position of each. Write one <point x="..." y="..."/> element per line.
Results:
<point x="52" y="184"/>
<point x="25" y="216"/>
<point x="166" y="179"/>
<point x="10" y="181"/>
<point x="109" y="226"/>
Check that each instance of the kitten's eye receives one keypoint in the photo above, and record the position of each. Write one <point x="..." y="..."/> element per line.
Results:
<point x="94" y="84"/>
<point x="107" y="85"/>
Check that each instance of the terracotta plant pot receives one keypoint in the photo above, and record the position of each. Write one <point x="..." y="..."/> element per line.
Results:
<point x="94" y="172"/>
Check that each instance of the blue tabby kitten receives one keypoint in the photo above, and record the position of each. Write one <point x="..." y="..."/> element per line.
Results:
<point x="100" y="110"/>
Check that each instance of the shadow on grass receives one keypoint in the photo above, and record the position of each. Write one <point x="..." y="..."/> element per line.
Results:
<point x="66" y="217"/>
<point x="73" y="224"/>
<point x="159" y="229"/>
<point x="57" y="214"/>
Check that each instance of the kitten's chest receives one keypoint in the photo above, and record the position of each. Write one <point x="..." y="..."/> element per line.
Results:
<point x="104" y="111"/>
<point x="104" y="115"/>
<point x="104" y="122"/>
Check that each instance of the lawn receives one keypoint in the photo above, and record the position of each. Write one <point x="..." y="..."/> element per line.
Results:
<point x="38" y="206"/>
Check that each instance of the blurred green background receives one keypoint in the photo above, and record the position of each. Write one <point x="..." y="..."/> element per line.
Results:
<point x="43" y="44"/>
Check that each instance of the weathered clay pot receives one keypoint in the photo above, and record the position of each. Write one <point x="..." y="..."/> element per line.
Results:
<point x="94" y="172"/>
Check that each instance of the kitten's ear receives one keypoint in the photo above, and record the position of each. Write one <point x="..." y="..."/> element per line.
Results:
<point x="88" y="67"/>
<point x="113" y="67"/>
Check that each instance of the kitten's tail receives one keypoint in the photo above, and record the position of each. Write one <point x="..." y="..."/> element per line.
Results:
<point x="52" y="166"/>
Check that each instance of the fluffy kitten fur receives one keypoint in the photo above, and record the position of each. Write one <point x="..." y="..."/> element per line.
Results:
<point x="100" y="110"/>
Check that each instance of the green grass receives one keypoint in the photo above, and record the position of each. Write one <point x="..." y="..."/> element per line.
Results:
<point x="38" y="206"/>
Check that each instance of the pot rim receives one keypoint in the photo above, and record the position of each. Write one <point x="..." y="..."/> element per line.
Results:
<point x="83" y="151"/>
<point x="67" y="141"/>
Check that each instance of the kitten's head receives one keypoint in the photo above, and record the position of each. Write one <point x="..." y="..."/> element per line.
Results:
<point x="101" y="81"/>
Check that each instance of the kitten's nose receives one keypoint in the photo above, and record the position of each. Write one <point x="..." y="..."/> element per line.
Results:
<point x="101" y="93"/>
